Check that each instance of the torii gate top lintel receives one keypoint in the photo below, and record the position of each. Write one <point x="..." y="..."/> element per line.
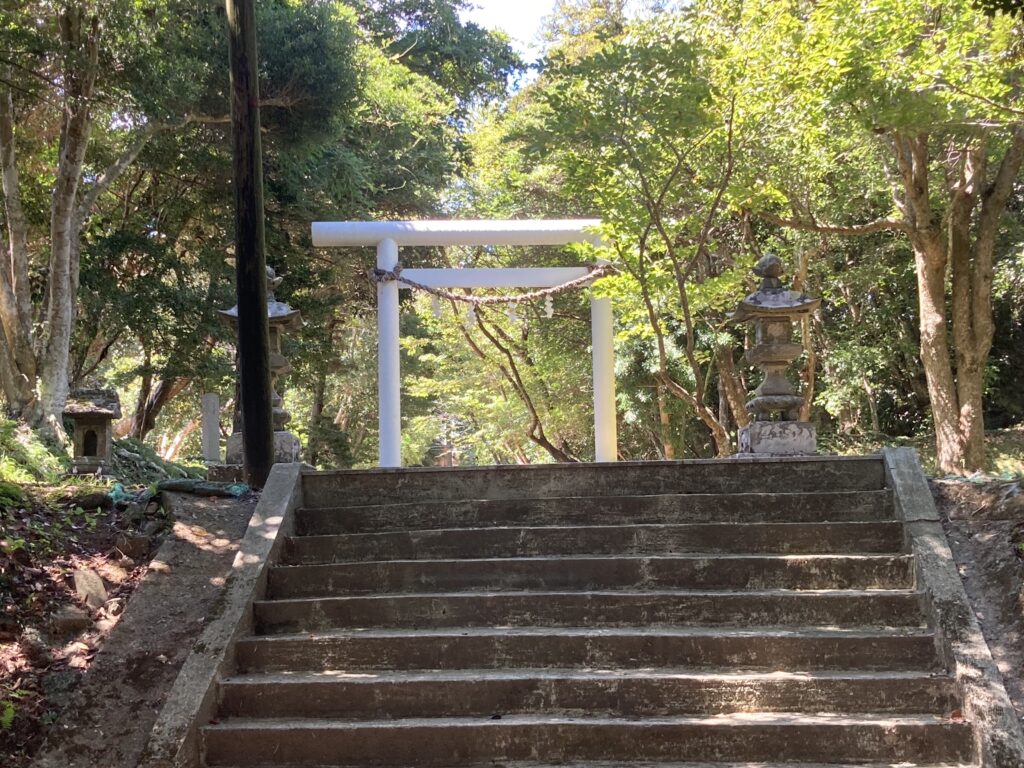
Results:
<point x="388" y="236"/>
<point x="456" y="232"/>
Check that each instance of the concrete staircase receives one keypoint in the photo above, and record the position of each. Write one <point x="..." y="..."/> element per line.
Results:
<point x="725" y="613"/>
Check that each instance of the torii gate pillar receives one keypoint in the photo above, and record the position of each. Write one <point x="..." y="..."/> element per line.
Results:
<point x="389" y="373"/>
<point x="388" y="236"/>
<point x="602" y="351"/>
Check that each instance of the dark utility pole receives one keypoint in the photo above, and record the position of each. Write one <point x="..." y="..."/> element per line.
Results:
<point x="250" y="258"/>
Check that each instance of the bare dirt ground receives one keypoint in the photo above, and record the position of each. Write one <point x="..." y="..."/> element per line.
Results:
<point x="94" y="696"/>
<point x="984" y="522"/>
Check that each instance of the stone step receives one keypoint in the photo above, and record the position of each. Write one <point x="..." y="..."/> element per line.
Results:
<point x="842" y="506"/>
<point x="645" y="764"/>
<point x="750" y="648"/>
<point x="703" y="538"/>
<point x="385" y="486"/>
<point x="620" y="693"/>
<point x="463" y="741"/>
<point x="603" y="764"/>
<point x="631" y="764"/>
<point x="758" y="572"/>
<point x="850" y="608"/>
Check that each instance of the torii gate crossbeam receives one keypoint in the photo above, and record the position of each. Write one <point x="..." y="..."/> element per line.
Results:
<point x="388" y="236"/>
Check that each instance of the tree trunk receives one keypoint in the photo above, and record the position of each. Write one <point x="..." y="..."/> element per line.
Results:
<point x="930" y="261"/>
<point x="961" y="237"/>
<point x="132" y="426"/>
<point x="732" y="386"/>
<point x="170" y="453"/>
<point x="316" y="413"/>
<point x="80" y="41"/>
<point x="147" y="410"/>
<point x="19" y="378"/>
<point x="869" y="391"/>
<point x="668" y="450"/>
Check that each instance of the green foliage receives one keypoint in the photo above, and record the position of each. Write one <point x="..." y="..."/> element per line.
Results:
<point x="25" y="458"/>
<point x="137" y="463"/>
<point x="7" y="715"/>
<point x="468" y="62"/>
<point x="992" y="7"/>
<point x="679" y="128"/>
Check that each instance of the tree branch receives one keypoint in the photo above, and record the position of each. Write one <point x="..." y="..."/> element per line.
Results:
<point x="857" y="230"/>
<point x="113" y="171"/>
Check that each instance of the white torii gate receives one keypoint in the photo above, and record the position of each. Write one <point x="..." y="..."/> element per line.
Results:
<point x="388" y="236"/>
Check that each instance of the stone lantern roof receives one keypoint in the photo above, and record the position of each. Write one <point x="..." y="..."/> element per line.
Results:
<point x="773" y="299"/>
<point x="98" y="403"/>
<point x="278" y="313"/>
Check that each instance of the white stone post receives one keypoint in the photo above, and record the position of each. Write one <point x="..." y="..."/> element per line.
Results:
<point x="389" y="374"/>
<point x="603" y="356"/>
<point x="211" y="427"/>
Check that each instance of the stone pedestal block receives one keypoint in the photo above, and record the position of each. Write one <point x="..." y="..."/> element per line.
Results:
<point x="778" y="438"/>
<point x="286" y="448"/>
<point x="211" y="427"/>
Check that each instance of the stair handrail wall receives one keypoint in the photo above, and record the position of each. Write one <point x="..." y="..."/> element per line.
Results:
<point x="999" y="739"/>
<point x="175" y="740"/>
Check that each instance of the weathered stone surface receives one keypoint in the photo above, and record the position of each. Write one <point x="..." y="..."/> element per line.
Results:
<point x="225" y="473"/>
<point x="628" y="692"/>
<point x="756" y="572"/>
<point x="1000" y="738"/>
<point x="211" y="427"/>
<point x="611" y="616"/>
<point x="537" y="541"/>
<point x="768" y="648"/>
<point x="90" y="588"/>
<point x="842" y="506"/>
<point x="740" y="475"/>
<point x="612" y="608"/>
<point x="286" y="448"/>
<point x="778" y="438"/>
<point x="32" y="643"/>
<point x="471" y="741"/>
<point x="135" y="546"/>
<point x="68" y="619"/>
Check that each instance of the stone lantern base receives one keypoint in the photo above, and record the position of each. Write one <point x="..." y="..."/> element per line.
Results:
<point x="286" y="448"/>
<point x="778" y="438"/>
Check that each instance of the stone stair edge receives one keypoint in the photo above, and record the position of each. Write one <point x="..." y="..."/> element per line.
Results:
<point x="880" y="493"/>
<point x="666" y="556"/>
<point x="739" y="719"/>
<point x="752" y="524"/>
<point x="591" y="764"/>
<point x="752" y="632"/>
<point x="727" y="674"/>
<point x="561" y="466"/>
<point x="486" y="593"/>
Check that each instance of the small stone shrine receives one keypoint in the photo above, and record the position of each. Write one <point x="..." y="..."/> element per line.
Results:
<point x="775" y="404"/>
<point x="280" y="318"/>
<point x="92" y="412"/>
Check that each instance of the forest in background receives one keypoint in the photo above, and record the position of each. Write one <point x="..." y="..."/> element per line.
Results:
<point x="876" y="147"/>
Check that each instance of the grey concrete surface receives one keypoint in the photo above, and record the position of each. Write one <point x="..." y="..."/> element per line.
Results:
<point x="998" y="734"/>
<point x="174" y="741"/>
<point x="738" y="475"/>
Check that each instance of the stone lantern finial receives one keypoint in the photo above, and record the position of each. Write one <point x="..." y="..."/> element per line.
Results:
<point x="775" y="404"/>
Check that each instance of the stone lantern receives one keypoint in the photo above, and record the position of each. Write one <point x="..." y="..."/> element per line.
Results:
<point x="280" y="318"/>
<point x="92" y="412"/>
<point x="775" y="404"/>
